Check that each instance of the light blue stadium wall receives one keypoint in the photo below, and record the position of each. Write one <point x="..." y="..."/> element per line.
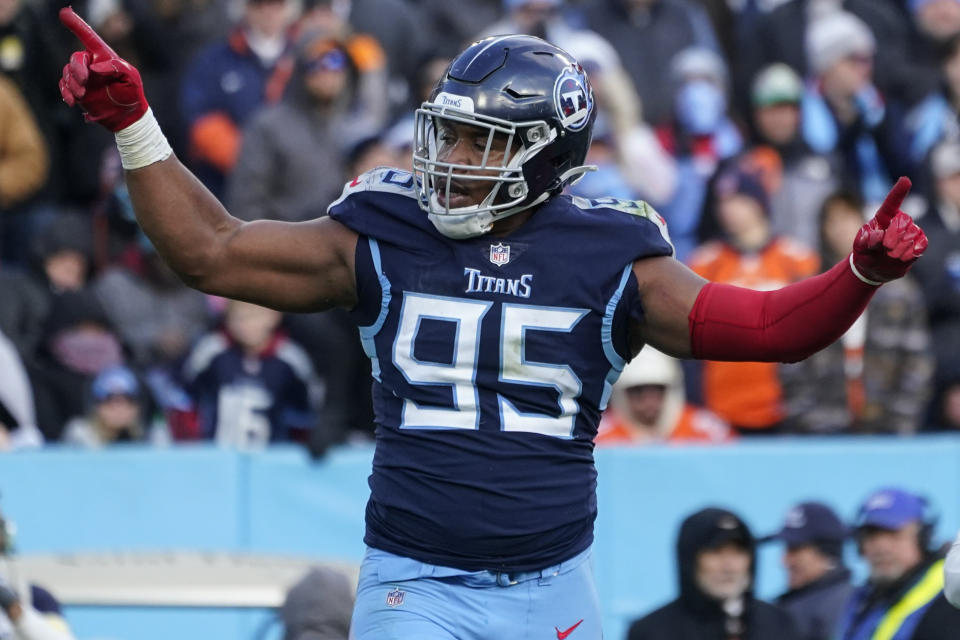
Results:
<point x="277" y="501"/>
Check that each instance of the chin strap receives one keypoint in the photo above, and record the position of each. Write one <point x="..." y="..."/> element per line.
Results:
<point x="576" y="173"/>
<point x="463" y="225"/>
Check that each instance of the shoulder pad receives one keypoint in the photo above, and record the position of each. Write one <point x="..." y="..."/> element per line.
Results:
<point x="639" y="208"/>
<point x="380" y="179"/>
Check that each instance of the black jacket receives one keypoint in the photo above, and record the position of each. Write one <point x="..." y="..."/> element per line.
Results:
<point x="694" y="615"/>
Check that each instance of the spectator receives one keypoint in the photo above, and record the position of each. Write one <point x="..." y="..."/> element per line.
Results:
<point x="648" y="34"/>
<point x="116" y="414"/>
<point x="228" y="81"/>
<point x="844" y="113"/>
<point x="249" y="382"/>
<point x="935" y="23"/>
<point x="877" y="377"/>
<point x="939" y="275"/>
<point x="648" y="405"/>
<point x="797" y="179"/>
<point x="27" y="611"/>
<point x="77" y="343"/>
<point x="23" y="160"/>
<point x="291" y="163"/>
<point x="903" y="595"/>
<point x="700" y="138"/>
<point x="716" y="563"/>
<point x="946" y="414"/>
<point x="779" y="36"/>
<point x="747" y="394"/>
<point x="156" y="315"/>
<point x="63" y="254"/>
<point x="395" y="25"/>
<point x="818" y="582"/>
<point x="60" y="262"/>
<point x="18" y="421"/>
<point x="32" y="59"/>
<point x="937" y="117"/>
<point x="318" y="607"/>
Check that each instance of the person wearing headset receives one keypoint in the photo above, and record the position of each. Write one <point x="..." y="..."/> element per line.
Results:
<point x="903" y="596"/>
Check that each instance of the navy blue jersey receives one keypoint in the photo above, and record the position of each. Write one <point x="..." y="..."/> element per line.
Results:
<point x="492" y="358"/>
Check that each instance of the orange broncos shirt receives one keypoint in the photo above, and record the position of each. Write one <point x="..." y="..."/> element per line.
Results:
<point x="694" y="425"/>
<point x="748" y="394"/>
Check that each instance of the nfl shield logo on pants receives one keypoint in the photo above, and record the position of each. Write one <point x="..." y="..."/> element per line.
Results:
<point x="395" y="598"/>
<point x="500" y="254"/>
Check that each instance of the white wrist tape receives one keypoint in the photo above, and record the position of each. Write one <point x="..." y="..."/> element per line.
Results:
<point x="142" y="143"/>
<point x="859" y="275"/>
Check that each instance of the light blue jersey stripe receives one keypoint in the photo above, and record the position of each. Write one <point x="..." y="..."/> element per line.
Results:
<point x="369" y="332"/>
<point x="606" y="333"/>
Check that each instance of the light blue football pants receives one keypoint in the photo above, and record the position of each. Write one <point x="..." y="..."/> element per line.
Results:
<point x="403" y="599"/>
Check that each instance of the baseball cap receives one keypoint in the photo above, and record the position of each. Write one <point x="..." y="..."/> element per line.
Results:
<point x="891" y="508"/>
<point x="735" y="181"/>
<point x="776" y="84"/>
<point x="114" y="381"/>
<point x="812" y="523"/>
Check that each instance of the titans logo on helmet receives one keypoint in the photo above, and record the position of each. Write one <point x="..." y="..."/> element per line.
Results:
<point x="573" y="99"/>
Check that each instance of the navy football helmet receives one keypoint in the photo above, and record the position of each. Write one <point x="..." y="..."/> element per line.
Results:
<point x="522" y="91"/>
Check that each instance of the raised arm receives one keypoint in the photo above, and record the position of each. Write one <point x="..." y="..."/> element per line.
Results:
<point x="289" y="266"/>
<point x="688" y="317"/>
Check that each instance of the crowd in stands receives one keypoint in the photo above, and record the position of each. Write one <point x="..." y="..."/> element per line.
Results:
<point x="763" y="131"/>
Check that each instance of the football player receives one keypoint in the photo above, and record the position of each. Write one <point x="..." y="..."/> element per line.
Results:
<point x="497" y="314"/>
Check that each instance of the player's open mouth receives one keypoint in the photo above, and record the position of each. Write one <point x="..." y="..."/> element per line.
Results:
<point x="459" y="196"/>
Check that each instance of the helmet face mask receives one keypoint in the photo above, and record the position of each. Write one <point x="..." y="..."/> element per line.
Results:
<point x="529" y="108"/>
<point x="509" y="145"/>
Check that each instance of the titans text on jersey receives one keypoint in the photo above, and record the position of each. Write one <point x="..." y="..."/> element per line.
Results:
<point x="492" y="361"/>
<point x="477" y="282"/>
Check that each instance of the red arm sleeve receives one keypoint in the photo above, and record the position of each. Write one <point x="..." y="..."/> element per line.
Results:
<point x="786" y="325"/>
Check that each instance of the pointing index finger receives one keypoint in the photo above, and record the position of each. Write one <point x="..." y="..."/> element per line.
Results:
<point x="93" y="42"/>
<point x="891" y="204"/>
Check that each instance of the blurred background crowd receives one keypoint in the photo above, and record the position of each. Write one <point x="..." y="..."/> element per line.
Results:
<point x="762" y="130"/>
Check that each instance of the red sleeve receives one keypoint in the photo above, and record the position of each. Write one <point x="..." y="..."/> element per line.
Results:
<point x="786" y="325"/>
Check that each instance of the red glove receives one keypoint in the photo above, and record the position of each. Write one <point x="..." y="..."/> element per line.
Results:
<point x="107" y="87"/>
<point x="886" y="246"/>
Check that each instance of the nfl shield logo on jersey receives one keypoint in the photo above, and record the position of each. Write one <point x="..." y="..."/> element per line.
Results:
<point x="500" y="254"/>
<point x="395" y="598"/>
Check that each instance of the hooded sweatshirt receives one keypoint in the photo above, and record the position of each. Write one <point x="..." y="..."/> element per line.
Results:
<point x="694" y="615"/>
